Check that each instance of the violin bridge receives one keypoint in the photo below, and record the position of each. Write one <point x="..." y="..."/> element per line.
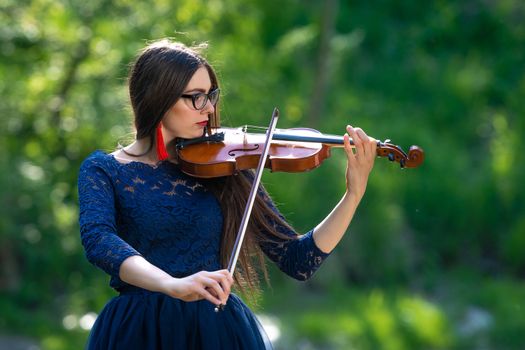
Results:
<point x="244" y="136"/>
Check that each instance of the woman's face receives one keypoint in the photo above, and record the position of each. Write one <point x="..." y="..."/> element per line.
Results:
<point x="182" y="119"/>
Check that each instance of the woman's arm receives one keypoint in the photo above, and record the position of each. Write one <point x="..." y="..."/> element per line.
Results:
<point x="98" y="227"/>
<point x="213" y="286"/>
<point x="301" y="256"/>
<point x="330" y="231"/>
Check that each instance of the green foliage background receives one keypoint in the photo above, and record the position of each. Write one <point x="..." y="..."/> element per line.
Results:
<point x="434" y="258"/>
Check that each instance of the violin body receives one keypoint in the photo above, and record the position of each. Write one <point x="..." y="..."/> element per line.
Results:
<point x="231" y="150"/>
<point x="240" y="151"/>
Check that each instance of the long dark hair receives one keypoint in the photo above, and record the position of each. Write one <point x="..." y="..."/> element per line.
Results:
<point x="157" y="80"/>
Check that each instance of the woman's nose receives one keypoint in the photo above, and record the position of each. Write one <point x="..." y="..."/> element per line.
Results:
<point x="208" y="107"/>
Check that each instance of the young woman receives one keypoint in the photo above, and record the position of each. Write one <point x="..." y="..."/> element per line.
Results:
<point x="165" y="237"/>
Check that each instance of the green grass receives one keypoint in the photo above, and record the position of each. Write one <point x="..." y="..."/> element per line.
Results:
<point x="462" y="313"/>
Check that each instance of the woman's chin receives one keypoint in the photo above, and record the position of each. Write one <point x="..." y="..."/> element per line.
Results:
<point x="193" y="135"/>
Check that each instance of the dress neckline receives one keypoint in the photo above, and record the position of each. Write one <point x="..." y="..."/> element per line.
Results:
<point x="137" y="163"/>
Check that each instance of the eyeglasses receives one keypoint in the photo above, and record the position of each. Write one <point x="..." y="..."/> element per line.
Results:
<point x="200" y="99"/>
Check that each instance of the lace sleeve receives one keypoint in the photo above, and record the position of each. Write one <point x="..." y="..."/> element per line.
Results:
<point x="97" y="218"/>
<point x="298" y="257"/>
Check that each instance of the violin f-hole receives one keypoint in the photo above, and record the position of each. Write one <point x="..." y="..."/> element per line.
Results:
<point x="231" y="152"/>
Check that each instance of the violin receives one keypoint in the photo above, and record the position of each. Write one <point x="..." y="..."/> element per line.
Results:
<point x="226" y="151"/>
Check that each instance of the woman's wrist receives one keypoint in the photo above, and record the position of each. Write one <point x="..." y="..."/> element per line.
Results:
<point x="166" y="284"/>
<point x="351" y="198"/>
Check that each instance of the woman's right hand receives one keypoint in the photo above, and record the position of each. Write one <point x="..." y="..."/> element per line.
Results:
<point x="214" y="286"/>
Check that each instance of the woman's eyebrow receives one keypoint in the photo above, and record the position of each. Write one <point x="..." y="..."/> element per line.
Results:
<point x="197" y="90"/>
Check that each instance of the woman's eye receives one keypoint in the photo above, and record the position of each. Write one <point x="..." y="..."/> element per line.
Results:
<point x="199" y="98"/>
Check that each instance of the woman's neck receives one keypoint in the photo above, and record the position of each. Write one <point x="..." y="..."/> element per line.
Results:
<point x="140" y="150"/>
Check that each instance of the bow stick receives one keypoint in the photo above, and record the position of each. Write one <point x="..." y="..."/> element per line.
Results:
<point x="251" y="199"/>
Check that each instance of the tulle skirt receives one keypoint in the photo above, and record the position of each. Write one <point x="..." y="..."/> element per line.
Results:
<point x="140" y="319"/>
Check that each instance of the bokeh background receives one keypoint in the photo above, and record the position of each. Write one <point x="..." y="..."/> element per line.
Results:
<point x="435" y="258"/>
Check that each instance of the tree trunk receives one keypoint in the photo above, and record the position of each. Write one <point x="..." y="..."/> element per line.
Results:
<point x="322" y="69"/>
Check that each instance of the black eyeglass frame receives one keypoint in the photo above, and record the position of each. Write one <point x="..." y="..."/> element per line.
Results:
<point x="212" y="96"/>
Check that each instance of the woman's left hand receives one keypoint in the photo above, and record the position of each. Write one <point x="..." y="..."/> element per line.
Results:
<point x="360" y="160"/>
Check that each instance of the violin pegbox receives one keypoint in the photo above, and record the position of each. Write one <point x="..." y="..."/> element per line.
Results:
<point x="394" y="153"/>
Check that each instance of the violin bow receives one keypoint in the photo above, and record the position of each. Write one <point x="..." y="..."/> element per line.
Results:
<point x="251" y="198"/>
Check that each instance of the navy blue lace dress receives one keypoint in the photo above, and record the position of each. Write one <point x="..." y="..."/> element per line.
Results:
<point x="175" y="223"/>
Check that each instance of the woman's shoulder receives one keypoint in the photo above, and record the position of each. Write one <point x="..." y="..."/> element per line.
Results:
<point x="118" y="163"/>
<point x="98" y="160"/>
<point x="97" y="157"/>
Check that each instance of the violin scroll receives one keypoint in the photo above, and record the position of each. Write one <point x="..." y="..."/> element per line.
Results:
<point x="394" y="153"/>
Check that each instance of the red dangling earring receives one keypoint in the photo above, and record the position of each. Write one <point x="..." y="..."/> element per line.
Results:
<point x="162" y="153"/>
